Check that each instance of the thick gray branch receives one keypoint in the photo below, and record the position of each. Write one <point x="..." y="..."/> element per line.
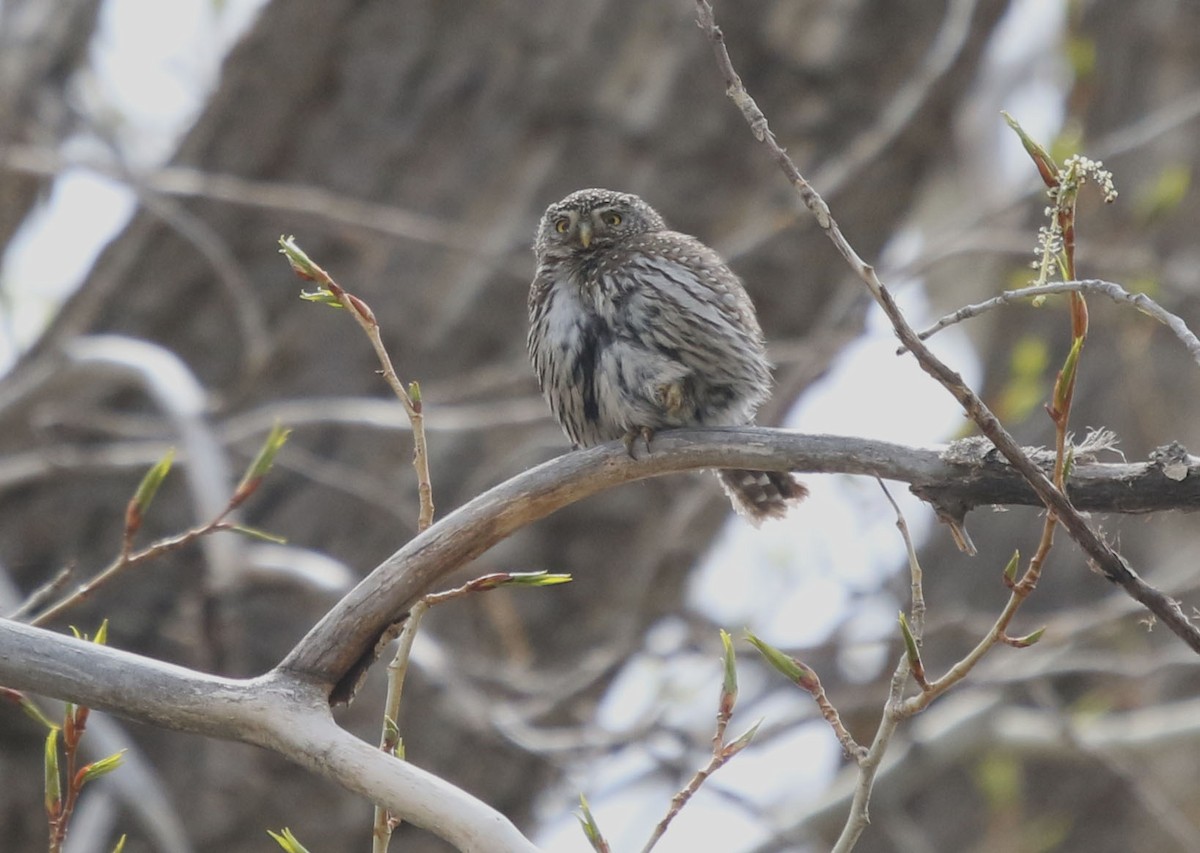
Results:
<point x="274" y="711"/>
<point x="287" y="710"/>
<point x="343" y="644"/>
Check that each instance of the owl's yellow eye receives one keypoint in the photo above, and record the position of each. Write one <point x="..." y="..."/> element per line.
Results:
<point x="562" y="225"/>
<point x="612" y="218"/>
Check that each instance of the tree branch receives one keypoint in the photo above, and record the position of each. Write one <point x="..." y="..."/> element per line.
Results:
<point x="1100" y="553"/>
<point x="274" y="711"/>
<point x="1113" y="291"/>
<point x="342" y="645"/>
<point x="287" y="710"/>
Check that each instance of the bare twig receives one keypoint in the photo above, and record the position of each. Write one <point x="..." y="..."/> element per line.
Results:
<point x="806" y="678"/>
<point x="720" y="757"/>
<point x="1113" y="291"/>
<point x="183" y="400"/>
<point x="1099" y="553"/>
<point x="385" y="823"/>
<point x="916" y="574"/>
<point x="126" y="561"/>
<point x="868" y="765"/>
<point x="956" y="673"/>
<point x="45" y="593"/>
<point x="283" y="714"/>
<point x="720" y="752"/>
<point x="858" y="816"/>
<point x="410" y="397"/>
<point x="136" y="508"/>
<point x="329" y="291"/>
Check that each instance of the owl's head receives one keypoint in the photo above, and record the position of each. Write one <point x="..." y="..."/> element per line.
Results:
<point x="589" y="220"/>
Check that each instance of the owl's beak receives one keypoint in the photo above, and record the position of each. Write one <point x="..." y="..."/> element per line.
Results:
<point x="585" y="234"/>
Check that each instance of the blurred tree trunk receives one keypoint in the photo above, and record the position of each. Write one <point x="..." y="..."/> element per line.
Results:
<point x="475" y="116"/>
<point x="41" y="47"/>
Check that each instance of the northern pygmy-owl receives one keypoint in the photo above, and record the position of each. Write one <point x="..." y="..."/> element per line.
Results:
<point x="635" y="328"/>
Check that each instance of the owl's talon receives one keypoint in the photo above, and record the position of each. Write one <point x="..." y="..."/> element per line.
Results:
<point x="632" y="435"/>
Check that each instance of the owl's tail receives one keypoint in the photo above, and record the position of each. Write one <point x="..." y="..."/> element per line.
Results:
<point x="759" y="495"/>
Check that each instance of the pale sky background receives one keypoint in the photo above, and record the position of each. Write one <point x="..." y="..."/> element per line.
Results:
<point x="152" y="66"/>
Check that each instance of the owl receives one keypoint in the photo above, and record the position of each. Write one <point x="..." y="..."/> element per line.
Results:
<point x="635" y="328"/>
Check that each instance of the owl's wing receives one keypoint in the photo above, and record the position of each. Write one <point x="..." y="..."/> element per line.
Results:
<point x="690" y="282"/>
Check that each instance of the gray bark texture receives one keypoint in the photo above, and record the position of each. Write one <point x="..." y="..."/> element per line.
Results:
<point x="472" y="117"/>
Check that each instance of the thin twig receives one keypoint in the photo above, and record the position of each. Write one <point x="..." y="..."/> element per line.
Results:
<point x="720" y="757"/>
<point x="45" y="593"/>
<point x="850" y="746"/>
<point x="140" y="502"/>
<point x="385" y="823"/>
<point x="956" y="673"/>
<point x="916" y="574"/>
<point x="1107" y="560"/>
<point x="127" y="561"/>
<point x="1113" y="291"/>
<point x="412" y="404"/>
<point x="409" y="397"/>
<point x="806" y="678"/>
<point x="858" y="816"/>
<point x="868" y="766"/>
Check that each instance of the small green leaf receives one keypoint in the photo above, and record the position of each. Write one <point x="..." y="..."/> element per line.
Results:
<point x="53" y="780"/>
<point x="791" y="668"/>
<point x="1028" y="640"/>
<point x="28" y="706"/>
<point x="120" y="847"/>
<point x="1166" y="192"/>
<point x="414" y="393"/>
<point x="999" y="778"/>
<point x="287" y="841"/>
<point x="300" y="262"/>
<point x="1046" y="166"/>
<point x="1065" y="385"/>
<point x="262" y="535"/>
<point x="1024" y="389"/>
<point x="1081" y="54"/>
<point x="1069" y="463"/>
<point x="910" y="646"/>
<point x="152" y="479"/>
<point x="262" y="463"/>
<point x="730" y="686"/>
<point x="537" y="579"/>
<point x="590" y="829"/>
<point x="742" y="741"/>
<point x="1010" y="570"/>
<point x="101" y="637"/>
<point x="321" y="297"/>
<point x="391" y="735"/>
<point x="103" y="767"/>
